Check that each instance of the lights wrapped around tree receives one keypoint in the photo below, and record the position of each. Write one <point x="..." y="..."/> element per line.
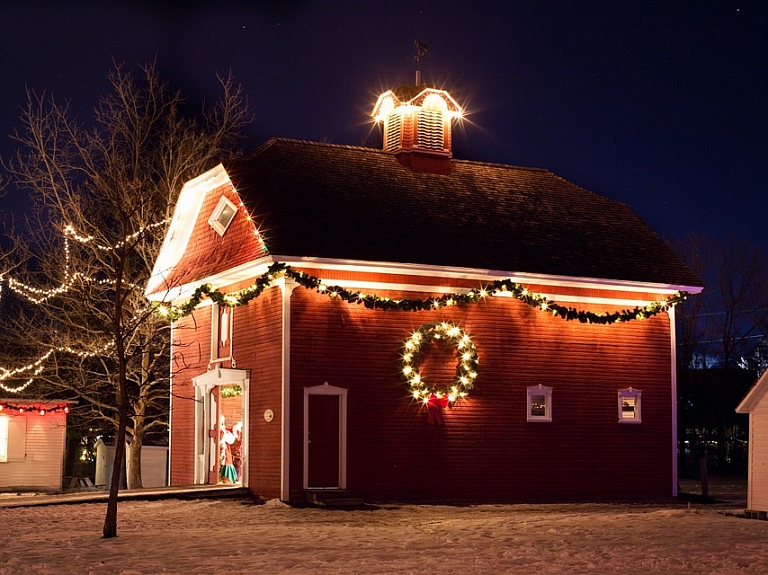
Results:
<point x="38" y="366"/>
<point x="466" y="369"/>
<point x="372" y="301"/>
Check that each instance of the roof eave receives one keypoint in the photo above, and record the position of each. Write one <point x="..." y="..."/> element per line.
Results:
<point x="257" y="267"/>
<point x="754" y="395"/>
<point x="183" y="221"/>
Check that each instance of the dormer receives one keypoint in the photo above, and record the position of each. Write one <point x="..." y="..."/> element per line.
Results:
<point x="417" y="126"/>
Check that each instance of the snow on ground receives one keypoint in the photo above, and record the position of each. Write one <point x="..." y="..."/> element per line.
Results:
<point x="229" y="536"/>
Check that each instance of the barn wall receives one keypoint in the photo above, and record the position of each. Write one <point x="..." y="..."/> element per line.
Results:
<point x="191" y="354"/>
<point x="486" y="450"/>
<point x="758" y="458"/>
<point x="257" y="341"/>
<point x="258" y="347"/>
<point x="42" y="467"/>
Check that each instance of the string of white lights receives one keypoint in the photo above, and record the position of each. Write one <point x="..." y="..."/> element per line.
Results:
<point x="39" y="295"/>
<point x="69" y="231"/>
<point x="38" y="366"/>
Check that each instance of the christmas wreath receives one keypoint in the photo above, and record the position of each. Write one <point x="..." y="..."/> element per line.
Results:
<point x="466" y="368"/>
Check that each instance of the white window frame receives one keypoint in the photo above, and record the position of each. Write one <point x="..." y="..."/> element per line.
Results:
<point x="215" y="222"/>
<point x="3" y="438"/>
<point x="13" y="437"/>
<point x="636" y="396"/>
<point x="536" y="391"/>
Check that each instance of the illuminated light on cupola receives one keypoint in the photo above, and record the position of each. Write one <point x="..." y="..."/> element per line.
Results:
<point x="416" y="124"/>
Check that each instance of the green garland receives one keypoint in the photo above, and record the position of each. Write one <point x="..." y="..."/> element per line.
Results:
<point x="372" y="301"/>
<point x="226" y="391"/>
<point x="466" y="368"/>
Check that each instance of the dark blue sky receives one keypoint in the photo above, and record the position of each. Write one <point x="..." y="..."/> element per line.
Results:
<point x="662" y="105"/>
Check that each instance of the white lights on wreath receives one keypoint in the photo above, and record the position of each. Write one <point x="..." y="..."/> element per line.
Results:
<point x="441" y="333"/>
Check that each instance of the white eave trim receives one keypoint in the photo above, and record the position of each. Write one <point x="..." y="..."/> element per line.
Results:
<point x="257" y="267"/>
<point x="482" y="274"/>
<point x="220" y="376"/>
<point x="754" y="395"/>
<point x="185" y="215"/>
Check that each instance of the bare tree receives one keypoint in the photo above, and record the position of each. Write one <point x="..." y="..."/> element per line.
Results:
<point x="740" y="290"/>
<point x="720" y="327"/>
<point x="102" y="195"/>
<point x="690" y="314"/>
<point x="716" y="331"/>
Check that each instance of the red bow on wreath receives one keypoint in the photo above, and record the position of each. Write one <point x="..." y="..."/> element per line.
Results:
<point x="435" y="406"/>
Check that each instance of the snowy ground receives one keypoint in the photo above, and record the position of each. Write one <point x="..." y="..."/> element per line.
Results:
<point x="218" y="536"/>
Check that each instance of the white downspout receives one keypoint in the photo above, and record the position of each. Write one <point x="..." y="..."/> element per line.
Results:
<point x="287" y="286"/>
<point x="170" y="412"/>
<point x="673" y="347"/>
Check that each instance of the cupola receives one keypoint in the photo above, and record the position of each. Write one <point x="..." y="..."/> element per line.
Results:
<point x="417" y="126"/>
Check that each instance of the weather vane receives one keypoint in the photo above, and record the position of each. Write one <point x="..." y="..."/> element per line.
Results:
<point x="421" y="51"/>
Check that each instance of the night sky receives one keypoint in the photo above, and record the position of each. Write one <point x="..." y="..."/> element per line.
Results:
<point x="662" y="105"/>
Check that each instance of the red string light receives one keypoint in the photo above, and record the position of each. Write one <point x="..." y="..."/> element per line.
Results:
<point x="41" y="409"/>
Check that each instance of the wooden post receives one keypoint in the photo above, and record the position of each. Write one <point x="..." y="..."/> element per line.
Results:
<point x="704" y="477"/>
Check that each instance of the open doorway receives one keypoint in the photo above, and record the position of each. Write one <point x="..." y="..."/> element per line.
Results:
<point x="230" y="446"/>
<point x="221" y="423"/>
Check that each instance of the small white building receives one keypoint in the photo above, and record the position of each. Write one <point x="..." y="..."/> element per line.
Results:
<point x="32" y="444"/>
<point x="755" y="403"/>
<point x="154" y="465"/>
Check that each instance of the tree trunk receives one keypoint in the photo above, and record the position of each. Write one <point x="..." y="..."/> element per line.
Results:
<point x="110" y="520"/>
<point x="139" y="420"/>
<point x="134" y="479"/>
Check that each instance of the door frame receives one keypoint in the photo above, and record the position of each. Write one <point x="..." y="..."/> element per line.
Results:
<point x="326" y="389"/>
<point x="203" y="385"/>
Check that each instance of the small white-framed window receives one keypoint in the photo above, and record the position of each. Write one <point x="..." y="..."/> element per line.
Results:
<point x="3" y="438"/>
<point x="629" y="405"/>
<point x="222" y="215"/>
<point x="539" y="403"/>
<point x="13" y="437"/>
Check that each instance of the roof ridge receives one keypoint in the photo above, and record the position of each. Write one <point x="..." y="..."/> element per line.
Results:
<point x="278" y="139"/>
<point x="501" y="165"/>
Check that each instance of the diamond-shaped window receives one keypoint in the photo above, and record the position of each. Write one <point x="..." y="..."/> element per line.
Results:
<point x="222" y="215"/>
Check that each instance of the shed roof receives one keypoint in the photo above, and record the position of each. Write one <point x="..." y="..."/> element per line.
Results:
<point x="755" y="395"/>
<point x="354" y="203"/>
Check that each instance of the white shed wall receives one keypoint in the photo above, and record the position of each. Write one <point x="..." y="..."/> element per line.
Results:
<point x="42" y="465"/>
<point x="757" y="482"/>
<point x="154" y="465"/>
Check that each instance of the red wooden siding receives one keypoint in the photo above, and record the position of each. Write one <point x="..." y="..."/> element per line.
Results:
<point x="191" y="354"/>
<point x="208" y="252"/>
<point x="486" y="450"/>
<point x="258" y="347"/>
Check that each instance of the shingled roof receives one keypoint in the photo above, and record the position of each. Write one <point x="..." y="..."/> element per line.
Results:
<point x="354" y="203"/>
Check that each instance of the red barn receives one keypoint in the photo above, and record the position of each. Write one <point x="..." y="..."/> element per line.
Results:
<point x="412" y="327"/>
